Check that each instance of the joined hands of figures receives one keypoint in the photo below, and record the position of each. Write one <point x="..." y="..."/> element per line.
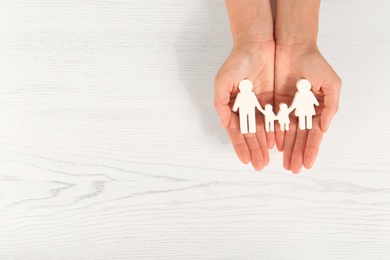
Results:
<point x="303" y="103"/>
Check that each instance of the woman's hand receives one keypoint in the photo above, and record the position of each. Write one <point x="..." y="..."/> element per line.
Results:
<point x="253" y="61"/>
<point x="252" y="58"/>
<point x="292" y="62"/>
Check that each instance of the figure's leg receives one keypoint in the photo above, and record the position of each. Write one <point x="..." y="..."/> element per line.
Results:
<point x="252" y="123"/>
<point x="309" y="122"/>
<point x="267" y="126"/>
<point x="272" y="126"/>
<point x="243" y="123"/>
<point x="302" y="122"/>
<point x="281" y="126"/>
<point x="287" y="126"/>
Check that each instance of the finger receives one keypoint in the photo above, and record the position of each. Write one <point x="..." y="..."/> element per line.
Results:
<point x="299" y="150"/>
<point x="279" y="137"/>
<point x="270" y="137"/>
<point x="222" y="92"/>
<point x="289" y="141"/>
<point x="224" y="114"/>
<point x="326" y="118"/>
<point x="313" y="144"/>
<point x="331" y="103"/>
<point x="237" y="139"/>
<point x="262" y="138"/>
<point x="255" y="151"/>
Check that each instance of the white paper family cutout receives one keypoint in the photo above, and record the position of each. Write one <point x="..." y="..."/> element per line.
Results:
<point x="303" y="103"/>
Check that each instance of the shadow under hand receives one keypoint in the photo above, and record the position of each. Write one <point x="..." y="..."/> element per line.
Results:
<point x="203" y="45"/>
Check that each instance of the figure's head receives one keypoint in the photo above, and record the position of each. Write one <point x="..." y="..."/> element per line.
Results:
<point x="245" y="85"/>
<point x="283" y="106"/>
<point x="303" y="85"/>
<point x="268" y="107"/>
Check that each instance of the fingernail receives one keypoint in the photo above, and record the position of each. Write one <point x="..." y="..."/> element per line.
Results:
<point x="326" y="127"/>
<point x="222" y="124"/>
<point x="311" y="164"/>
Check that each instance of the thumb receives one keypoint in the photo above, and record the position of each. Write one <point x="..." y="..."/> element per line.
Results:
<point x="326" y="118"/>
<point x="221" y="100"/>
<point x="224" y="114"/>
<point x="331" y="103"/>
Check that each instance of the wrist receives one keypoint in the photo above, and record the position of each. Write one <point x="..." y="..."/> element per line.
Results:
<point x="297" y="22"/>
<point x="250" y="21"/>
<point x="293" y="37"/>
<point x="252" y="40"/>
<point x="295" y="40"/>
<point x="254" y="48"/>
<point x="294" y="50"/>
<point x="298" y="45"/>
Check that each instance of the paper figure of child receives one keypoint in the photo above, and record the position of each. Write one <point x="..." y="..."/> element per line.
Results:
<point x="246" y="102"/>
<point x="269" y="118"/>
<point x="283" y="116"/>
<point x="303" y="103"/>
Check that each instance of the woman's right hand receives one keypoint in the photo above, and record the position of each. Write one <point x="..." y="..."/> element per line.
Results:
<point x="253" y="61"/>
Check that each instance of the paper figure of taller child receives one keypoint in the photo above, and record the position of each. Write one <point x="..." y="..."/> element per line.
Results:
<point x="303" y="103"/>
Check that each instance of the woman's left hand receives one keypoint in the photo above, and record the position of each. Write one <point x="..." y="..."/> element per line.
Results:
<point x="292" y="62"/>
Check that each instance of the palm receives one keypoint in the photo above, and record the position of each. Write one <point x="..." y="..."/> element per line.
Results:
<point x="256" y="63"/>
<point x="292" y="63"/>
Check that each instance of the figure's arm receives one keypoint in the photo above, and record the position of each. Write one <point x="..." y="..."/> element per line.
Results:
<point x="315" y="101"/>
<point x="236" y="103"/>
<point x="293" y="104"/>
<point x="257" y="104"/>
<point x="274" y="116"/>
<point x="261" y="110"/>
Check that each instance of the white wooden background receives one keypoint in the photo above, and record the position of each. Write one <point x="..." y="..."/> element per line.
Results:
<point x="110" y="147"/>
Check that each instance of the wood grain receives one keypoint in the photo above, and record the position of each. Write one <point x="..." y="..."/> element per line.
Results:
<point x="110" y="147"/>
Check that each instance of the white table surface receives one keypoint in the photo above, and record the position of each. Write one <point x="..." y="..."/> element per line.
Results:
<point x="110" y="147"/>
